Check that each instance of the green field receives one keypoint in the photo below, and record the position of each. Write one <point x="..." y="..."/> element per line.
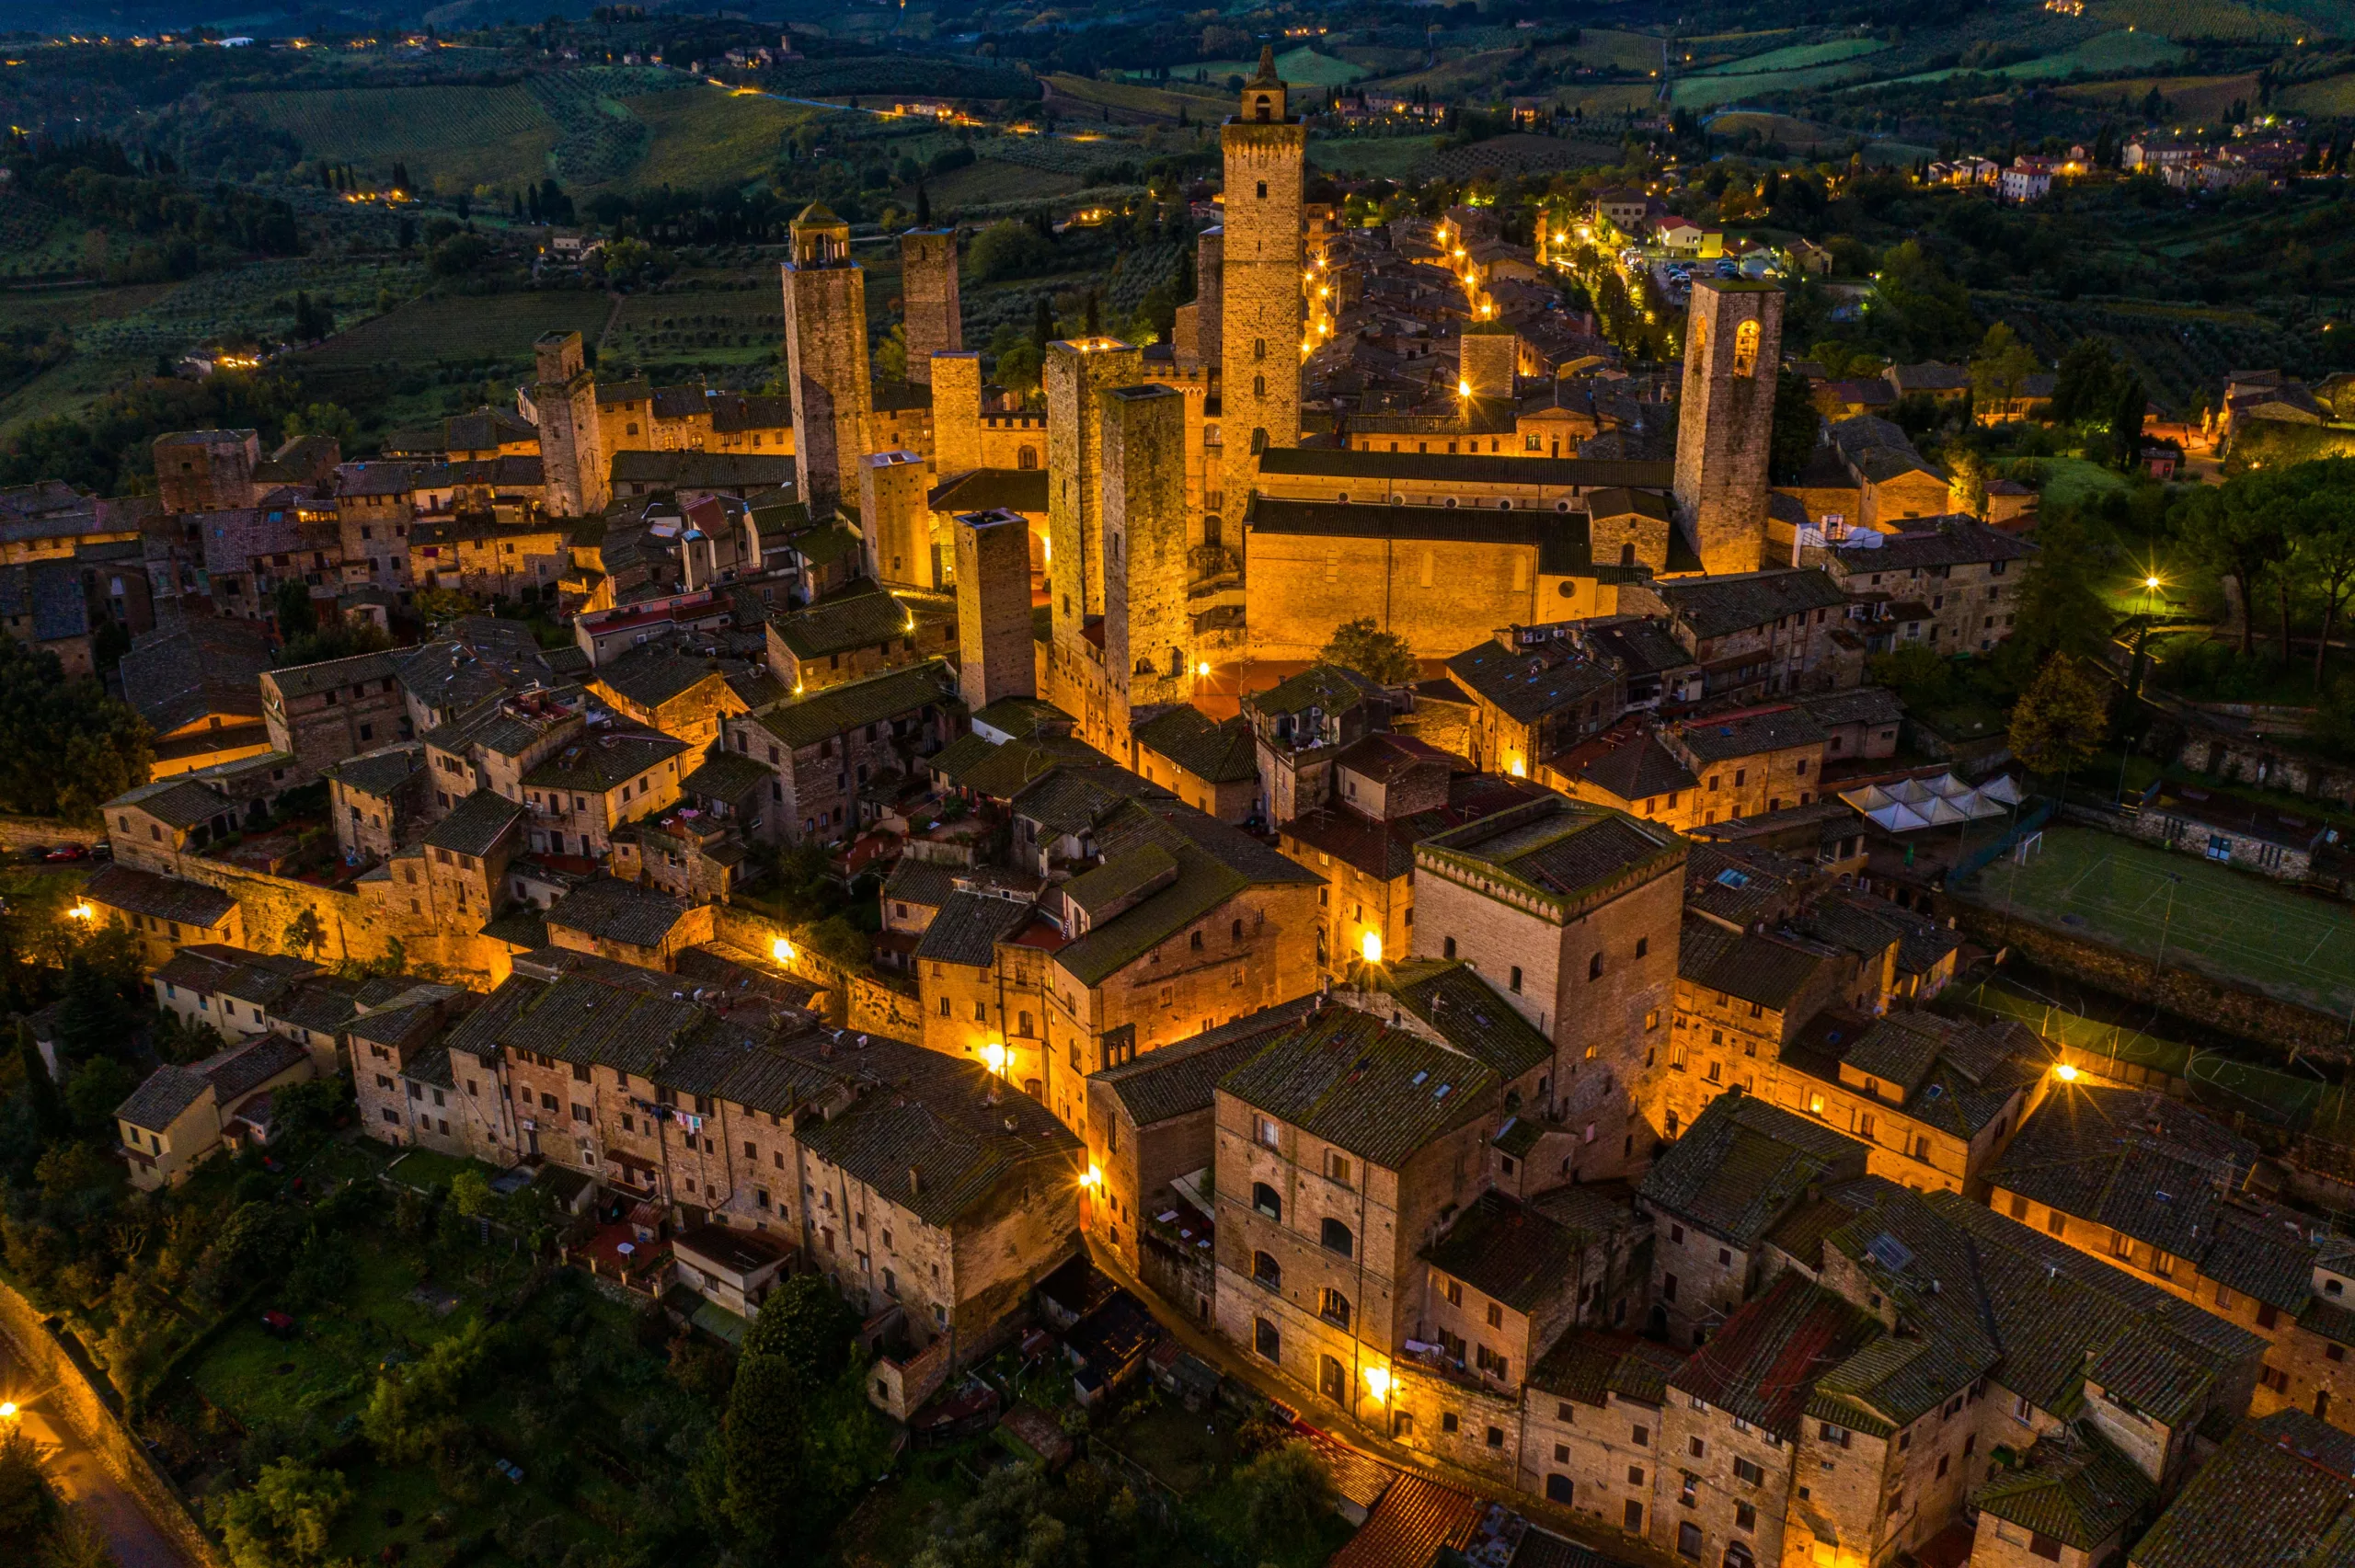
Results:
<point x="1797" y="57"/>
<point x="1706" y="92"/>
<point x="712" y="327"/>
<point x="465" y="329"/>
<point x="1298" y="66"/>
<point x="1609" y="50"/>
<point x="2197" y="98"/>
<point x="1378" y="157"/>
<point x="2232" y="924"/>
<point x="2121" y="49"/>
<point x="704" y="137"/>
<point x="2200" y="19"/>
<point x="2330" y="96"/>
<point x="452" y="139"/>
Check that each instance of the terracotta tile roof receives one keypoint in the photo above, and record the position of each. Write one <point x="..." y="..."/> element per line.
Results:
<point x="1743" y="1164"/>
<point x="1357" y="1084"/>
<point x="2272" y="1497"/>
<point x="1178" y="1079"/>
<point x="1761" y="1364"/>
<point x="1415" y="1521"/>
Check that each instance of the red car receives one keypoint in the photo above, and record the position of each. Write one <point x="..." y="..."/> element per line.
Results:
<point x="68" y="851"/>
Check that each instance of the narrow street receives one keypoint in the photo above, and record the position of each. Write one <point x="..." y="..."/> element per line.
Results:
<point x="1208" y="1347"/>
<point x="85" y="1486"/>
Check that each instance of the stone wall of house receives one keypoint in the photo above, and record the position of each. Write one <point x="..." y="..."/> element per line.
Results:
<point x="1442" y="597"/>
<point x="936" y="323"/>
<point x="825" y="340"/>
<point x="1732" y="346"/>
<point x="1148" y="630"/>
<point x="1260" y="310"/>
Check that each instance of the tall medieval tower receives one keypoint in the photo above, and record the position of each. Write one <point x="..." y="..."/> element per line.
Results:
<point x="996" y="656"/>
<point x="1261" y="256"/>
<point x="1148" y="632"/>
<point x="572" y="452"/>
<point x="935" y="316"/>
<point x="1077" y="374"/>
<point x="825" y="355"/>
<point x="1732" y="350"/>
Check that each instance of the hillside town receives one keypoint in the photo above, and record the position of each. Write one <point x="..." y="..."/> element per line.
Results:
<point x="1386" y="870"/>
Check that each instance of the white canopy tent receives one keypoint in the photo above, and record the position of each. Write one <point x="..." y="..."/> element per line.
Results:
<point x="1910" y="803"/>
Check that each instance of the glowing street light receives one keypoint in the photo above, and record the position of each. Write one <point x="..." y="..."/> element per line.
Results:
<point x="1464" y="388"/>
<point x="781" y="950"/>
<point x="82" y="911"/>
<point x="1377" y="1380"/>
<point x="1371" y="945"/>
<point x="1204" y="669"/>
<point x="8" y="1411"/>
<point x="1092" y="1177"/>
<point x="2065" y="1074"/>
<point x="994" y="1057"/>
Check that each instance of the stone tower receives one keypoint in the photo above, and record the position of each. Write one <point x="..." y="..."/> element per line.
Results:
<point x="996" y="656"/>
<point x="935" y="321"/>
<point x="825" y="354"/>
<point x="955" y="413"/>
<point x="1732" y="350"/>
<point x="1261" y="310"/>
<point x="572" y="453"/>
<point x="1210" y="286"/>
<point x="1488" y="361"/>
<point x="895" y="521"/>
<point x="1077" y="375"/>
<point x="1148" y="631"/>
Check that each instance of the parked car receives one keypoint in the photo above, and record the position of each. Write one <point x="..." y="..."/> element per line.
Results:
<point x="68" y="851"/>
<point x="278" y="1325"/>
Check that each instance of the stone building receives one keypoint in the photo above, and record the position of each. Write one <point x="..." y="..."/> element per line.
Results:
<point x="572" y="447"/>
<point x="180" y="1116"/>
<point x="1211" y="767"/>
<point x="855" y="636"/>
<point x="895" y="524"/>
<point x="1571" y="912"/>
<point x="377" y="800"/>
<point x="579" y="796"/>
<point x="824" y="748"/>
<point x="934" y="317"/>
<point x="996" y="656"/>
<point x="1259" y="307"/>
<point x="825" y="346"/>
<point x="1339" y="1148"/>
<point x="206" y="471"/>
<point x="1715" y="1193"/>
<point x="1077" y="374"/>
<point x="1949" y="580"/>
<point x="1306" y="721"/>
<point x="1750" y="760"/>
<point x="1534" y="696"/>
<point x="2153" y="1187"/>
<point x="929" y="1196"/>
<point x="1148" y="627"/>
<point x="1763" y="634"/>
<point x="1151" y="1144"/>
<point x="1732" y="350"/>
<point x="2287" y="1477"/>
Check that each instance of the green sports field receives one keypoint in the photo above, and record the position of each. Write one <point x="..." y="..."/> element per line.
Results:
<point x="2233" y="924"/>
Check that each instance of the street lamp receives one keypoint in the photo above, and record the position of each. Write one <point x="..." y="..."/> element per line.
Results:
<point x="781" y="950"/>
<point x="1371" y="945"/>
<point x="2065" y="1074"/>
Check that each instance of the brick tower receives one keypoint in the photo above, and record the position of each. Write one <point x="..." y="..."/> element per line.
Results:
<point x="896" y="524"/>
<point x="935" y="321"/>
<point x="825" y="354"/>
<point x="1732" y="349"/>
<point x="1148" y="632"/>
<point x="996" y="656"/>
<point x="571" y="448"/>
<point x="955" y="413"/>
<point x="1260" y="307"/>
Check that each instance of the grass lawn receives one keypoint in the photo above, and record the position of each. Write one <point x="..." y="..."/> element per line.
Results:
<point x="2121" y="49"/>
<point x="2231" y="924"/>
<point x="463" y="328"/>
<point x="1381" y="157"/>
<point x="703" y="136"/>
<point x="2072" y="481"/>
<point x="428" y="1170"/>
<point x="1704" y="92"/>
<point x="2201" y="19"/>
<point x="451" y="138"/>
<point x="1796" y="57"/>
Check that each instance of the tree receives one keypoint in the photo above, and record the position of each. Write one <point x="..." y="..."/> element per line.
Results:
<point x="470" y="1194"/>
<point x="1969" y="484"/>
<point x="1383" y="658"/>
<point x="2085" y="385"/>
<point x="323" y="419"/>
<point x="924" y="207"/>
<point x="284" y="1519"/>
<point x="2126" y="421"/>
<point x="2239" y="532"/>
<point x="1285" y="1491"/>
<point x="305" y="934"/>
<point x="805" y="1326"/>
<point x="2060" y="720"/>
<point x="1008" y="249"/>
<point x="2060" y="609"/>
<point x="892" y="354"/>
<point x="440" y="604"/>
<point x="97" y="1087"/>
<point x="65" y="747"/>
<point x="1795" y="428"/>
<point x="2322" y="531"/>
<point x="2000" y="369"/>
<point x="25" y="1505"/>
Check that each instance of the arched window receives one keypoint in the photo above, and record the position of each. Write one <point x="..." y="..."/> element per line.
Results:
<point x="1266" y="1270"/>
<point x="1626" y="555"/>
<point x="1259" y="441"/>
<point x="1258" y="386"/>
<point x="1337" y="1239"/>
<point x="1196" y="943"/>
<point x="1738" y="1556"/>
<point x="1265" y="1339"/>
<point x="1334" y="1308"/>
<point x="1259" y="107"/>
<point x="1237" y="930"/>
<point x="1745" y="349"/>
<point x="1258" y="347"/>
<point x="1027" y="458"/>
<point x="1594" y="967"/>
<point x="1264" y="1199"/>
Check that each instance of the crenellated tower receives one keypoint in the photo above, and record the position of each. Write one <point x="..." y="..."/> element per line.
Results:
<point x="825" y="356"/>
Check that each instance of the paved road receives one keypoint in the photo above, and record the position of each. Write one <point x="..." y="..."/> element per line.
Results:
<point x="84" y="1484"/>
